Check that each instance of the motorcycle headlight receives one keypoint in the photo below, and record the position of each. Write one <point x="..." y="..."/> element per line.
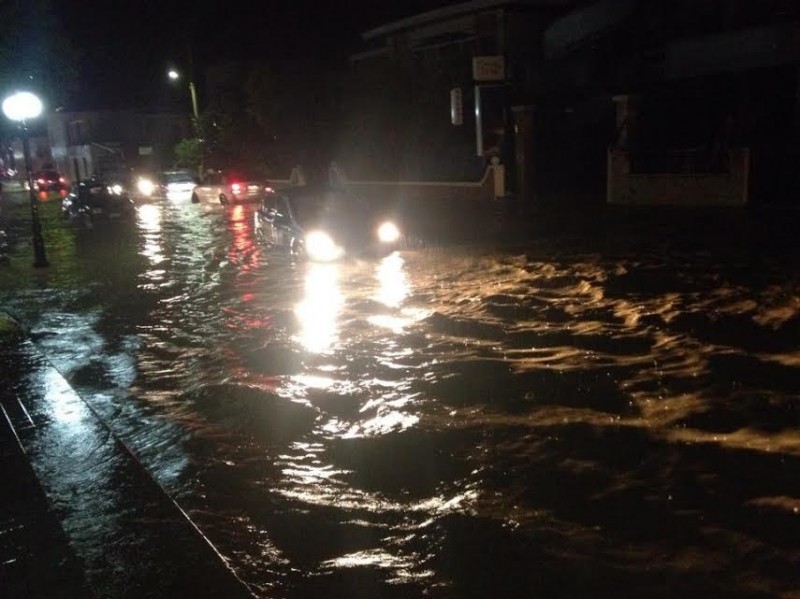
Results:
<point x="388" y="232"/>
<point x="320" y="246"/>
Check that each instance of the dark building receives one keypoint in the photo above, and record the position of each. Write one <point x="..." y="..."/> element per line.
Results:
<point x="675" y="84"/>
<point x="100" y="141"/>
<point x="692" y="81"/>
<point x="410" y="70"/>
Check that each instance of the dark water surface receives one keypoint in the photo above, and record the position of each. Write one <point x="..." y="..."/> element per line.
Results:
<point x="609" y="413"/>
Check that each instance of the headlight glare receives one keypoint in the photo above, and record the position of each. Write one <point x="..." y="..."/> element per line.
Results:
<point x="145" y="186"/>
<point x="388" y="232"/>
<point x="320" y="246"/>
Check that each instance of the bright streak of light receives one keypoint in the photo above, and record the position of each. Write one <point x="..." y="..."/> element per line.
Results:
<point x="65" y="405"/>
<point x="392" y="323"/>
<point x="389" y="421"/>
<point x="393" y="282"/>
<point x="314" y="382"/>
<point x="149" y="217"/>
<point x="319" y="310"/>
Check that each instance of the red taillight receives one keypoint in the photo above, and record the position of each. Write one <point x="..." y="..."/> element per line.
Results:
<point x="63" y="193"/>
<point x="236" y="188"/>
<point x="42" y="195"/>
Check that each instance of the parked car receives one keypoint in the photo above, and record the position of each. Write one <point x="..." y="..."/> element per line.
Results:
<point x="230" y="187"/>
<point x="49" y="182"/>
<point x="325" y="223"/>
<point x="94" y="200"/>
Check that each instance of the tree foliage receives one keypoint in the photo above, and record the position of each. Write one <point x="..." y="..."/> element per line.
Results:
<point x="189" y="153"/>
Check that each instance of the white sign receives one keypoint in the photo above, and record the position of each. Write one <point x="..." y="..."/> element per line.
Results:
<point x="488" y="68"/>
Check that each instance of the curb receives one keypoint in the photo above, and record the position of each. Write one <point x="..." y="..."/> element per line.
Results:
<point x="69" y="450"/>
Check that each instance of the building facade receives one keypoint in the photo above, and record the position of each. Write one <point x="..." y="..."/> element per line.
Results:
<point x="420" y="62"/>
<point x="678" y="85"/>
<point x="90" y="143"/>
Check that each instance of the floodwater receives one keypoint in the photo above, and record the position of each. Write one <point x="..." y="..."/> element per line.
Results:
<point x="605" y="410"/>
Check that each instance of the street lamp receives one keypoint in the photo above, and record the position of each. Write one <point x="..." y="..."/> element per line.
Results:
<point x="174" y="75"/>
<point x="21" y="107"/>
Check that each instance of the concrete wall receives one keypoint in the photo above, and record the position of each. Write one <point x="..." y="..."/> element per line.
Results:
<point x="488" y="188"/>
<point x="680" y="189"/>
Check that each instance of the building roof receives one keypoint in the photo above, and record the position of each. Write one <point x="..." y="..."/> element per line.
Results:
<point x="456" y="10"/>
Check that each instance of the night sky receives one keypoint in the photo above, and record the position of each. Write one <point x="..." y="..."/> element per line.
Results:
<point x="125" y="46"/>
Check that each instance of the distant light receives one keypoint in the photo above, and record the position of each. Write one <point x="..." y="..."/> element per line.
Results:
<point x="116" y="189"/>
<point x="173" y="74"/>
<point x="388" y="232"/>
<point x="22" y="106"/>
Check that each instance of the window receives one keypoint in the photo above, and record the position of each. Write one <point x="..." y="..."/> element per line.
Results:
<point x="269" y="203"/>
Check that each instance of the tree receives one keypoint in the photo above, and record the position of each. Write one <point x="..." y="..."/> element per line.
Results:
<point x="293" y="105"/>
<point x="189" y="153"/>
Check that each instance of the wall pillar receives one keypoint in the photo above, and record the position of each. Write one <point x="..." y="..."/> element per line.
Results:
<point x="525" y="155"/>
<point x="628" y="108"/>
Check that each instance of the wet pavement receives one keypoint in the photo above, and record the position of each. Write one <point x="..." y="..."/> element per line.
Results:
<point x="133" y="541"/>
<point x="607" y="408"/>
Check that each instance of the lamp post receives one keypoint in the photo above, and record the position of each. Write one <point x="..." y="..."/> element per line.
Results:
<point x="174" y="75"/>
<point x="21" y="107"/>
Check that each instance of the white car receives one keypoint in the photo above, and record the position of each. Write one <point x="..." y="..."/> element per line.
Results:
<point x="172" y="185"/>
<point x="179" y="185"/>
<point x="230" y="187"/>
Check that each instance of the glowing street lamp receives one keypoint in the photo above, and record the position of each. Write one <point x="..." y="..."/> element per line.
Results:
<point x="22" y="107"/>
<point x="174" y="75"/>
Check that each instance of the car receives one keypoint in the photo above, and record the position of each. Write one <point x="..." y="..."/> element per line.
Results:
<point x="177" y="185"/>
<point x="324" y="223"/>
<point x="95" y="199"/>
<point x="49" y="182"/>
<point x="230" y="187"/>
<point x="174" y="185"/>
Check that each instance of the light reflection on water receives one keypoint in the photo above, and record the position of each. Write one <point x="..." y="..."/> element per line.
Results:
<point x="149" y="219"/>
<point x="393" y="284"/>
<point x="441" y="408"/>
<point x="319" y="309"/>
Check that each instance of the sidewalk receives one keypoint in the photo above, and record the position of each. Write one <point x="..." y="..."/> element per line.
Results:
<point x="79" y="515"/>
<point x="35" y="557"/>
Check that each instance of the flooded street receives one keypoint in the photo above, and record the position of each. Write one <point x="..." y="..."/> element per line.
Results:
<point x="609" y="413"/>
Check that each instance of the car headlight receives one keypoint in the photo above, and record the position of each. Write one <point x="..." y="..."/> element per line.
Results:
<point x="145" y="186"/>
<point x="116" y="189"/>
<point x="320" y="246"/>
<point x="388" y="232"/>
